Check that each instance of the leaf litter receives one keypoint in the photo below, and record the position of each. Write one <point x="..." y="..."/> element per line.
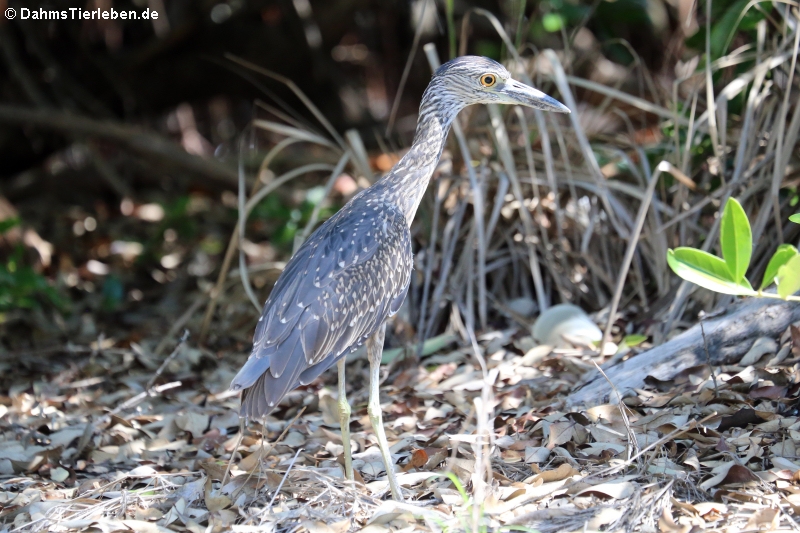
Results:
<point x="691" y="453"/>
<point x="109" y="435"/>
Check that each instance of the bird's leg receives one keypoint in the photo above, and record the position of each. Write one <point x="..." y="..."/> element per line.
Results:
<point x="344" y="420"/>
<point x="374" y="353"/>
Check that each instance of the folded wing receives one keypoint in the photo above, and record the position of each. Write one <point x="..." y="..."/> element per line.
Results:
<point x="339" y="287"/>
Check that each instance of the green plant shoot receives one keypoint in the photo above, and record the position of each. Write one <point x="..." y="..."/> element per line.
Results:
<point x="735" y="239"/>
<point x="726" y="274"/>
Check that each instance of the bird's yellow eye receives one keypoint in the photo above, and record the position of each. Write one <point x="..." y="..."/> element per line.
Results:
<point x="487" y="80"/>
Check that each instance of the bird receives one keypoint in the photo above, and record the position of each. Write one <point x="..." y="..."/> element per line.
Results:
<point x="352" y="274"/>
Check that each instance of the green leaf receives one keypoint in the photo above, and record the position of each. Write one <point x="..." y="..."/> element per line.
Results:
<point x="431" y="346"/>
<point x="12" y="222"/>
<point x="724" y="26"/>
<point x="706" y="270"/>
<point x="782" y="256"/>
<point x="735" y="239"/>
<point x="634" y="340"/>
<point x="795" y="218"/>
<point x="552" y="22"/>
<point x="788" y="278"/>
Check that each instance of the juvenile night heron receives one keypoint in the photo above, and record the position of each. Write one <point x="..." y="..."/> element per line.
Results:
<point x="353" y="273"/>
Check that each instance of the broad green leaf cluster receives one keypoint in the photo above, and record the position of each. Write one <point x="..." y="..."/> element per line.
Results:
<point x="726" y="274"/>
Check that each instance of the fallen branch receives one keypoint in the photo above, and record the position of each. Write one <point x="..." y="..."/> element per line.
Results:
<point x="728" y="338"/>
<point x="136" y="139"/>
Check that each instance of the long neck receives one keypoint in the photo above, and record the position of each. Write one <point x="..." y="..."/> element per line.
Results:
<point x="405" y="184"/>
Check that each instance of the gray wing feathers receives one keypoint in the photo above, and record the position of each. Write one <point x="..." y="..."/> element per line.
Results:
<point x="261" y="398"/>
<point x="334" y="293"/>
<point x="399" y="299"/>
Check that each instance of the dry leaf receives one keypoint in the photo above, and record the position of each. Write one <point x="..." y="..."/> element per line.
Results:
<point x="760" y="348"/>
<point x="536" y="454"/>
<point x="194" y="423"/>
<point x="710" y="511"/>
<point x="149" y="514"/>
<point x="771" y="392"/>
<point x="612" y="490"/>
<point x="739" y="474"/>
<point x="511" y="456"/>
<point x="604" y="517"/>
<point x="294" y="439"/>
<point x="562" y="472"/>
<point x="251" y="462"/>
<point x="143" y="527"/>
<point x="316" y="527"/>
<point x="214" y="500"/>
<point x="560" y="433"/>
<point x="740" y="419"/>
<point x="795" y="340"/>
<point x="667" y="525"/>
<point x="435" y="457"/>
<point x="59" y="474"/>
<point x="764" y="519"/>
<point x="729" y="473"/>
<point x="419" y="458"/>
<point x="214" y="469"/>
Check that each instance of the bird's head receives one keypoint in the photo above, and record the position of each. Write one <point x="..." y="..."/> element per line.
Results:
<point x="479" y="80"/>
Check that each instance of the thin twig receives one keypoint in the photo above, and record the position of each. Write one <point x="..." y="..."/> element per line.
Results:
<point x="632" y="442"/>
<point x="708" y="355"/>
<point x="477" y="200"/>
<point x="312" y="220"/>
<point x="216" y="292"/>
<point x="265" y="451"/>
<point x="283" y="480"/>
<point x="135" y="400"/>
<point x="664" y="166"/>
<point x="666" y="438"/>
<point x="178" y="324"/>
<point x="263" y="177"/>
<point x="233" y="452"/>
<point x="248" y="288"/>
<point x="169" y="359"/>
<point x="297" y="91"/>
<point x="406" y="69"/>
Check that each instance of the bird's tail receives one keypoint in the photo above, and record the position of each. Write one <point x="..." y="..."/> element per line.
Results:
<point x="261" y="398"/>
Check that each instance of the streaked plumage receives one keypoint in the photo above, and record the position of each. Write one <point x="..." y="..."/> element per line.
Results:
<point x="352" y="274"/>
<point x="339" y="287"/>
